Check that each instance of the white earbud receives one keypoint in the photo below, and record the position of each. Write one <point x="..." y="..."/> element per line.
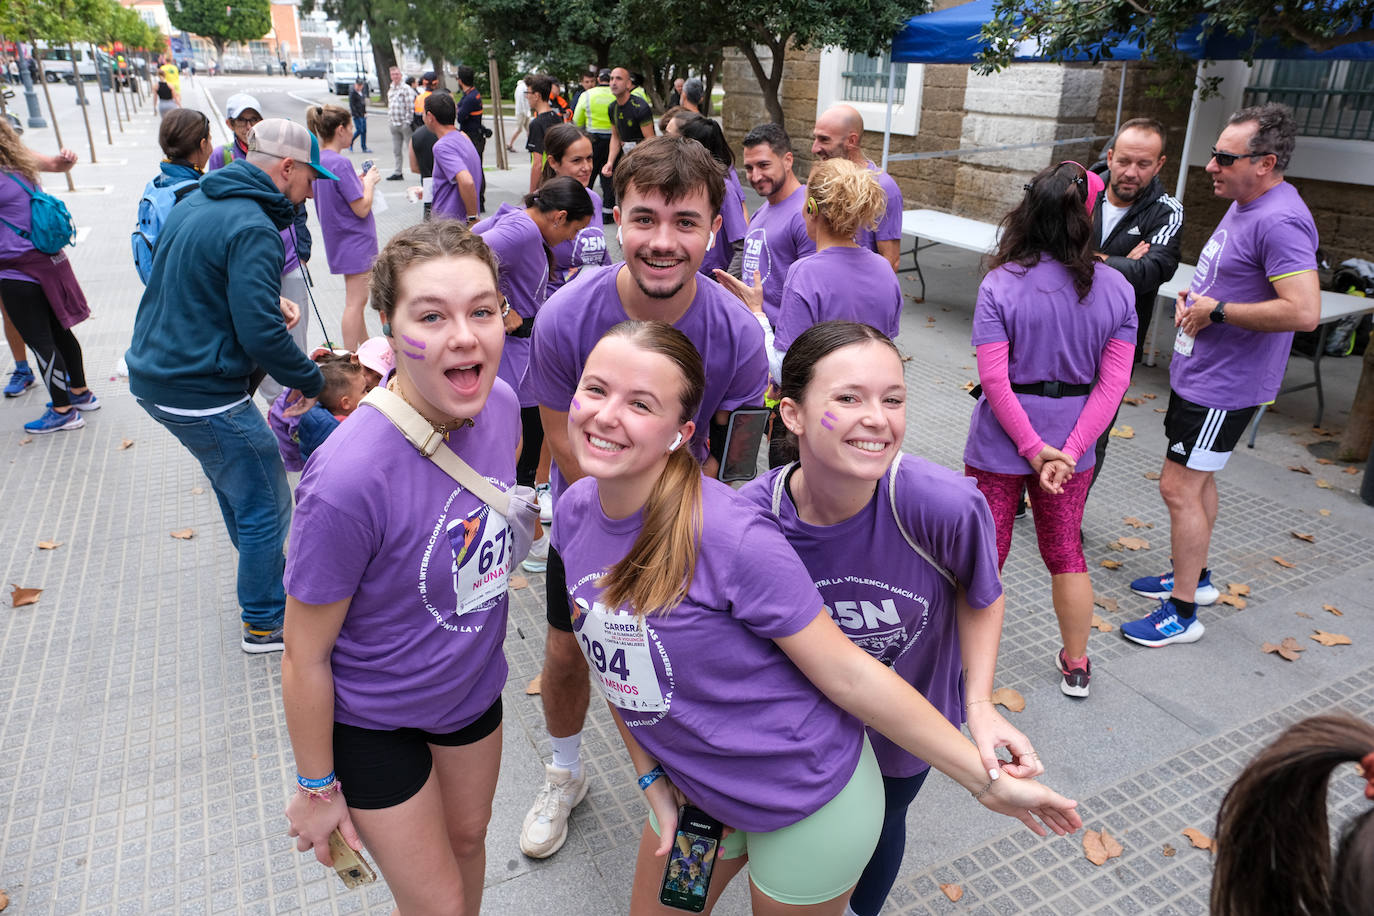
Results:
<point x="677" y="441"/>
<point x="619" y="237"/>
<point x="711" y="242"/>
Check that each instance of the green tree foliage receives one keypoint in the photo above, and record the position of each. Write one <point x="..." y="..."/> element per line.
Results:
<point x="222" y="22"/>
<point x="1064" y="27"/>
<point x="379" y="18"/>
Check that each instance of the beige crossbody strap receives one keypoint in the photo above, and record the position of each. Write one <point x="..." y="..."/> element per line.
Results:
<point x="431" y="444"/>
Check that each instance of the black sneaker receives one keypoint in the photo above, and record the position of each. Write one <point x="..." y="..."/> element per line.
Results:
<point x="397" y="177"/>
<point x="256" y="642"/>
<point x="1075" y="680"/>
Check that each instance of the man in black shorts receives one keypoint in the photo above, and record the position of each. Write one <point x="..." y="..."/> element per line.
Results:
<point x="1255" y="284"/>
<point x="422" y="142"/>
<point x="632" y="120"/>
<point x="539" y="87"/>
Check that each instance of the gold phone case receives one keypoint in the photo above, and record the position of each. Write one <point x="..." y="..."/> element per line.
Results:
<point x="350" y="865"/>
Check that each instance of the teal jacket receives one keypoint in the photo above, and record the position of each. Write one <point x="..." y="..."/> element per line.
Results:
<point x="211" y="312"/>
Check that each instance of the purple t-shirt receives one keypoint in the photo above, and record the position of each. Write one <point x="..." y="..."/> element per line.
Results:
<point x="378" y="522"/>
<point x="886" y="598"/>
<point x="838" y="283"/>
<point x="724" y="332"/>
<point x="890" y="223"/>
<point x="350" y="243"/>
<point x="777" y="237"/>
<point x="14" y="208"/>
<point x="733" y="226"/>
<point x="1054" y="338"/>
<point x="705" y="690"/>
<point x="288" y="235"/>
<point x="524" y="275"/>
<point x="1267" y="239"/>
<point x="587" y="250"/>
<point x="453" y="155"/>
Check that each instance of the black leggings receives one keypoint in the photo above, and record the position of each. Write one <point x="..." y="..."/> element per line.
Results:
<point x="532" y="443"/>
<point x="54" y="347"/>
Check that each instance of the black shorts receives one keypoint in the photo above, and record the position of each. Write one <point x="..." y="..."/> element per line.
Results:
<point x="381" y="769"/>
<point x="557" y="609"/>
<point x="1202" y="438"/>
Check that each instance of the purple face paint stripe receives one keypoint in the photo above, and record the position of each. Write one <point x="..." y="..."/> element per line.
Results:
<point x="576" y="404"/>
<point x="829" y="420"/>
<point x="417" y="344"/>
<point x="413" y="355"/>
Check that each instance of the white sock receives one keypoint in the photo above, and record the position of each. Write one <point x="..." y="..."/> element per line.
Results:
<point x="849" y="910"/>
<point x="567" y="753"/>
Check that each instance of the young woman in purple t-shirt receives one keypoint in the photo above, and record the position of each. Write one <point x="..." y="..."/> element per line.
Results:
<point x="732" y="687"/>
<point x="1054" y="330"/>
<point x="344" y="208"/>
<point x="396" y="587"/>
<point x="903" y="552"/>
<point x="568" y="154"/>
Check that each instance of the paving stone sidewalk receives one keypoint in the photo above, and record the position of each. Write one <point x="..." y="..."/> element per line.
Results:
<point x="144" y="761"/>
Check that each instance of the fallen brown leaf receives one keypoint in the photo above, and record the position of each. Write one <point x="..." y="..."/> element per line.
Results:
<point x="26" y="440"/>
<point x="1137" y="523"/>
<point x="1238" y="588"/>
<point x="1236" y="601"/>
<point x="1318" y="431"/>
<point x="953" y="891"/>
<point x="1134" y="543"/>
<point x="1304" y="536"/>
<point x="22" y="596"/>
<point x="1149" y="397"/>
<point x="1099" y="847"/>
<point x="1284" y="563"/>
<point x="1107" y="604"/>
<point x="1325" y="461"/>
<point x="1122" y="432"/>
<point x="196" y="491"/>
<point x="125" y="443"/>
<point x="1300" y="468"/>
<point x="1288" y="649"/>
<point x="1112" y="564"/>
<point x="1011" y="699"/>
<point x="1334" y="610"/>
<point x="1134" y="402"/>
<point x="1169" y="851"/>
<point x="1151" y="475"/>
<point x="49" y="545"/>
<point x="1199" y="839"/>
<point x="1161" y="410"/>
<point x="1303" y="614"/>
<point x="184" y="534"/>
<point x="1330" y="639"/>
<point x="1101" y="625"/>
<point x="1352" y="470"/>
<point x="1323" y="511"/>
<point x="1324" y="484"/>
<point x="532" y="688"/>
<point x="519" y="582"/>
<point x="967" y="386"/>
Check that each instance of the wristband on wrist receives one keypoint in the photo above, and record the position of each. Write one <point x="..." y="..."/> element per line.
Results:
<point x="650" y="778"/>
<point x="321" y="783"/>
<point x="979" y="700"/>
<point x="978" y="796"/>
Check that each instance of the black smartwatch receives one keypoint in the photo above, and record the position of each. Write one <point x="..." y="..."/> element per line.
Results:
<point x="1219" y="313"/>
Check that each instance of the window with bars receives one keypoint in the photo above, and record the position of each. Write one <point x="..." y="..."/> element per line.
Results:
<point x="865" y="79"/>
<point x="1329" y="98"/>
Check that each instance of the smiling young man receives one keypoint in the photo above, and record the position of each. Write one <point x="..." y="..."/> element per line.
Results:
<point x="777" y="230"/>
<point x="669" y="191"/>
<point x="1255" y="284"/>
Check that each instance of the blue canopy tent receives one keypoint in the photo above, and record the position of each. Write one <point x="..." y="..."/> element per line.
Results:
<point x="953" y="36"/>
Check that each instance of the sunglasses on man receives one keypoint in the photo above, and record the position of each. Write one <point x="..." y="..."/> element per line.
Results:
<point x="1225" y="160"/>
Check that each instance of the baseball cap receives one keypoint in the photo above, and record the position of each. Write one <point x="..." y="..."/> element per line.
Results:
<point x="603" y="74"/>
<point x="288" y="140"/>
<point x="430" y="76"/>
<point x="376" y="354"/>
<point x="240" y="102"/>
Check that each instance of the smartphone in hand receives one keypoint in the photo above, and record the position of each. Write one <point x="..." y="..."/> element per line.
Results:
<point x="687" y="876"/>
<point x="350" y="865"/>
<point x="367" y="164"/>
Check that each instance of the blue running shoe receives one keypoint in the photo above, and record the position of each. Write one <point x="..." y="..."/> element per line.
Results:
<point x="52" y="421"/>
<point x="1163" y="627"/>
<point x="87" y="401"/>
<point x="21" y="380"/>
<point x="1161" y="587"/>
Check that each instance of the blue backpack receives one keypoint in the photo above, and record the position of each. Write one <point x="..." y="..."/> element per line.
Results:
<point x="50" y="222"/>
<point x="153" y="208"/>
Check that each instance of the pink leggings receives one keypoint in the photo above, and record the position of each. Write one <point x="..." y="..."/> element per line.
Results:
<point x="1058" y="518"/>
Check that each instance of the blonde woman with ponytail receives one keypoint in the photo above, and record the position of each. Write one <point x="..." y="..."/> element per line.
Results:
<point x="733" y="689"/>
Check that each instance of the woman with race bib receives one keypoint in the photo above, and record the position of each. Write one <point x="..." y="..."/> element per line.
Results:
<point x="731" y="686"/>
<point x="396" y="587"/>
<point x="568" y="153"/>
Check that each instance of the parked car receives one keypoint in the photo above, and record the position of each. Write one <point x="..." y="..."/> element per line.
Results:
<point x="315" y="69"/>
<point x="342" y="74"/>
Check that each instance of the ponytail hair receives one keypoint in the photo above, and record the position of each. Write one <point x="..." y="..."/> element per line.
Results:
<point x="1273" y="845"/>
<point x="562" y="193"/>
<point x="657" y="572"/>
<point x="557" y="141"/>
<point x="1052" y="218"/>
<point x="847" y="196"/>
<point x="325" y="120"/>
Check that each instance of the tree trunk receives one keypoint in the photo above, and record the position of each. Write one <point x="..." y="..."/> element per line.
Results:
<point x="57" y="131"/>
<point x="436" y="59"/>
<point x="770" y="81"/>
<point x="1359" y="431"/>
<point x="383" y="58"/>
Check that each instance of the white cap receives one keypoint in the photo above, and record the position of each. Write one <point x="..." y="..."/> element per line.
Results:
<point x="240" y="102"/>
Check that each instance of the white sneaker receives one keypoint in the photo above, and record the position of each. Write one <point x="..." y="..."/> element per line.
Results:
<point x="545" y="503"/>
<point x="546" y="826"/>
<point x="538" y="560"/>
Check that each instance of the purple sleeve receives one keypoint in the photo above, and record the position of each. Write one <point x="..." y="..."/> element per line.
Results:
<point x="794" y="312"/>
<point x="452" y="159"/>
<point x="987" y="311"/>
<point x="750" y="380"/>
<point x="1113" y="378"/>
<point x="1288" y="247"/>
<point x="801" y="242"/>
<point x="1011" y="416"/>
<point x="349" y="185"/>
<point x="782" y="602"/>
<point x="947" y="515"/>
<point x="890" y="226"/>
<point x="551" y="376"/>
<point x="330" y="549"/>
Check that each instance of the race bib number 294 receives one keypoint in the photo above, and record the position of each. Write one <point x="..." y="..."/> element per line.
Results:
<point x="617" y="648"/>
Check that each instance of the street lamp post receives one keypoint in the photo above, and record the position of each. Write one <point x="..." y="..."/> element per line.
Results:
<point x="30" y="94"/>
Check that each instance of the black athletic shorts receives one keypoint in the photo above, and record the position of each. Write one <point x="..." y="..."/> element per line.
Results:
<point x="1202" y="438"/>
<point x="557" y="609"/>
<point x="381" y="769"/>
